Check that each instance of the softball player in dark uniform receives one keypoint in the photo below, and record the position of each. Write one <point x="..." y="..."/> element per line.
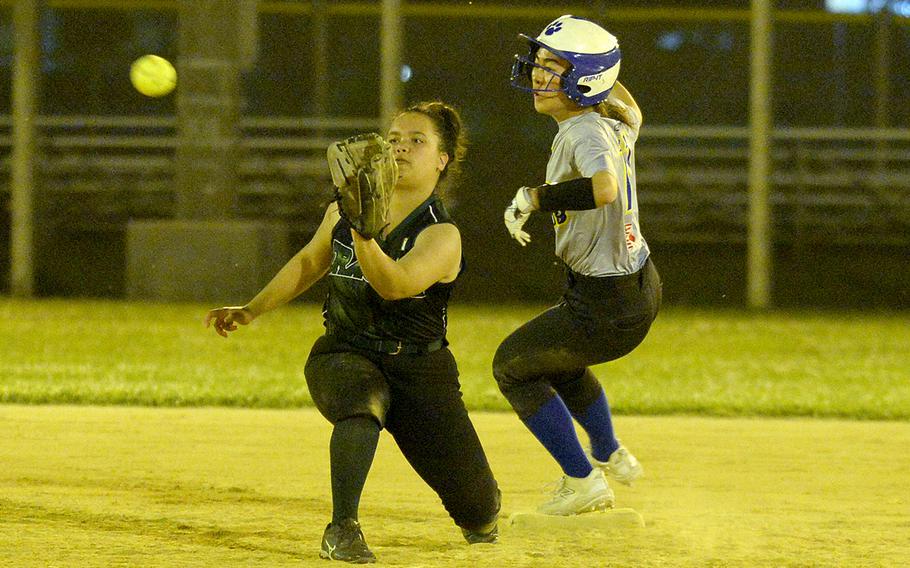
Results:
<point x="613" y="291"/>
<point x="383" y="361"/>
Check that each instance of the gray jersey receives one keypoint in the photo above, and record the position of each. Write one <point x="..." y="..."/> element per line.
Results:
<point x="606" y="241"/>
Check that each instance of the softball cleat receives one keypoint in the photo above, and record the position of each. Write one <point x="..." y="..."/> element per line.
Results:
<point x="577" y="495"/>
<point x="622" y="466"/>
<point x="344" y="541"/>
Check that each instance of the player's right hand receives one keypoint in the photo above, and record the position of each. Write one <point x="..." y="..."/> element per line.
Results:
<point x="517" y="214"/>
<point x="227" y="318"/>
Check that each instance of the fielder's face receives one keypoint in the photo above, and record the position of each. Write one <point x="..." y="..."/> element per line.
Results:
<point x="551" y="101"/>
<point x="416" y="145"/>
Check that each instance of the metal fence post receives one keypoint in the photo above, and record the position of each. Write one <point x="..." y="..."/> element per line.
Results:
<point x="759" y="235"/>
<point x="23" y="175"/>
<point x="391" y="42"/>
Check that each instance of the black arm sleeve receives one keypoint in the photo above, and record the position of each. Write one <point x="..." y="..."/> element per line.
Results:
<point x="572" y="195"/>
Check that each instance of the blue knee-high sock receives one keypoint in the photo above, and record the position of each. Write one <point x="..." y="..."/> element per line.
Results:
<point x="552" y="425"/>
<point x="598" y="424"/>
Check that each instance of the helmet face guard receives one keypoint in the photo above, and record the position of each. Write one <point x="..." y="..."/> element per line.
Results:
<point x="587" y="81"/>
<point x="522" y="73"/>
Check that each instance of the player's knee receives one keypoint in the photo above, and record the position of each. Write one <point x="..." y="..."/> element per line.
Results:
<point x="368" y="421"/>
<point x="504" y="370"/>
<point x="374" y="410"/>
<point x="478" y="511"/>
<point x="337" y="408"/>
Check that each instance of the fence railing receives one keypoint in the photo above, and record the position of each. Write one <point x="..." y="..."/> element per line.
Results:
<point x="827" y="184"/>
<point x="831" y="185"/>
<point x="99" y="172"/>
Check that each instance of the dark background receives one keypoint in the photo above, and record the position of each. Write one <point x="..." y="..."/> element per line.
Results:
<point x="683" y="72"/>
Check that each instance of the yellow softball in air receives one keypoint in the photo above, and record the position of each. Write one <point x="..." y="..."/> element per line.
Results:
<point x="153" y="76"/>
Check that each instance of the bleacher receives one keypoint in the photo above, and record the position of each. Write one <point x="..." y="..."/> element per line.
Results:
<point x="831" y="185"/>
<point x="99" y="172"/>
<point x="837" y="185"/>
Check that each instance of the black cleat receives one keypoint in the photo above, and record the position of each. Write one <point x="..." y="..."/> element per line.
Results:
<point x="344" y="541"/>
<point x="485" y="535"/>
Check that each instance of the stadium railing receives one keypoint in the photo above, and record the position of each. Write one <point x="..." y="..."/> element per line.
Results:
<point x="828" y="184"/>
<point x="99" y="172"/>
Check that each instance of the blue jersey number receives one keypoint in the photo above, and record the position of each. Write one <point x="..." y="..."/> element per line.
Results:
<point x="626" y="152"/>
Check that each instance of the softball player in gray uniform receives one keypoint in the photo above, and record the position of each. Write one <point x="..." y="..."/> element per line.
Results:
<point x="613" y="291"/>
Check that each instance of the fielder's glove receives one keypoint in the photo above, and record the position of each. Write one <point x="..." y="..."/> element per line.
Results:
<point x="364" y="173"/>
<point x="517" y="214"/>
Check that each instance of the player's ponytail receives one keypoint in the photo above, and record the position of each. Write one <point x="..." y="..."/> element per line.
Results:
<point x="614" y="111"/>
<point x="453" y="138"/>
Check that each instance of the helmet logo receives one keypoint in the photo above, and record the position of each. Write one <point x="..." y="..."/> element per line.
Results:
<point x="555" y="27"/>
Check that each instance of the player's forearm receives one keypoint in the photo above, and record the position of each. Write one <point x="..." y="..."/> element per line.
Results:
<point x="390" y="280"/>
<point x="578" y="194"/>
<point x="292" y="280"/>
<point x="621" y="94"/>
<point x="572" y="195"/>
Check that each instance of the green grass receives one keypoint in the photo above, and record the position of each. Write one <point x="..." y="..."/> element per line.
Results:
<point x="851" y="365"/>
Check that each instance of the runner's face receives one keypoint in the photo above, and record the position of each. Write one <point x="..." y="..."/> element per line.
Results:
<point x="549" y="102"/>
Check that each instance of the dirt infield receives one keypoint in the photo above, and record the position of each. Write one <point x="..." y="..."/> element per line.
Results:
<point x="114" y="486"/>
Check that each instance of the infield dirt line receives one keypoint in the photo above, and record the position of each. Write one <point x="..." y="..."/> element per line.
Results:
<point x="124" y="486"/>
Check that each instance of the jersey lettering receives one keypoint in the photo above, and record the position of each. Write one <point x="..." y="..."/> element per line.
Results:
<point x="344" y="264"/>
<point x="626" y="152"/>
<point x="629" y="231"/>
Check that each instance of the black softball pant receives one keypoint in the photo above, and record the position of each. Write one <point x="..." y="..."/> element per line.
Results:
<point x="417" y="398"/>
<point x="597" y="320"/>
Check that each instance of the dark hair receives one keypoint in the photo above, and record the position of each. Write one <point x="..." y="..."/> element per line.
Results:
<point x="452" y="134"/>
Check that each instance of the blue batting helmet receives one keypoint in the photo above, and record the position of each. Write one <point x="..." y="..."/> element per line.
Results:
<point x="592" y="52"/>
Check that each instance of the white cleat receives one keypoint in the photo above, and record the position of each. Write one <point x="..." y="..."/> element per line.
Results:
<point x="622" y="466"/>
<point x="576" y="495"/>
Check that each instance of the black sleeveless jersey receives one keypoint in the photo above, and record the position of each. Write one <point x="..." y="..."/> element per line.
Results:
<point x="353" y="308"/>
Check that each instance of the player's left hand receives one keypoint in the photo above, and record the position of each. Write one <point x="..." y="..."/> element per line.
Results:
<point x="517" y="214"/>
<point x="227" y="318"/>
<point x="364" y="172"/>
